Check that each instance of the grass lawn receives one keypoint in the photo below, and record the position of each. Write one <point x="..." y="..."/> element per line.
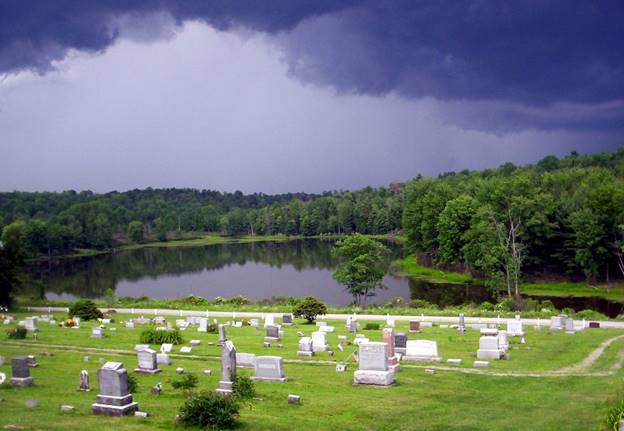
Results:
<point x="409" y="268"/>
<point x="443" y="401"/>
<point x="614" y="293"/>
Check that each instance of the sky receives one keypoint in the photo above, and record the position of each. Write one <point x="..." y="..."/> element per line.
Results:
<point x="289" y="96"/>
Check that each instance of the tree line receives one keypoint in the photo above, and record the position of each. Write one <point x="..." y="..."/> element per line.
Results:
<point x="49" y="224"/>
<point x="558" y="216"/>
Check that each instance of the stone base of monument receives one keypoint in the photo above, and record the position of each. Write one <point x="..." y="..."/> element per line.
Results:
<point x="224" y="389"/>
<point x="317" y="348"/>
<point x="271" y="339"/>
<point x="401" y="350"/>
<point x="22" y="382"/>
<point x="114" y="406"/>
<point x="394" y="367"/>
<point x="409" y="358"/>
<point x="147" y="371"/>
<point x="373" y="378"/>
<point x="490" y="354"/>
<point x="270" y="379"/>
<point x="305" y="353"/>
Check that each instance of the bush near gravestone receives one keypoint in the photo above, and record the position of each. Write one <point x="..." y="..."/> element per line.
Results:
<point x="85" y="309"/>
<point x="153" y="336"/>
<point x="309" y="308"/>
<point x="372" y="326"/>
<point x="209" y="410"/>
<point x="243" y="387"/>
<point x="189" y="381"/>
<point x="17" y="333"/>
<point x="133" y="383"/>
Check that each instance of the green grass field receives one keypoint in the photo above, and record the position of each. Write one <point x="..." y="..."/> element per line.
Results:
<point x="449" y="399"/>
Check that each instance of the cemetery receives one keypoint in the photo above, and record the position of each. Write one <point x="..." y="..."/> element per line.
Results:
<point x="559" y="375"/>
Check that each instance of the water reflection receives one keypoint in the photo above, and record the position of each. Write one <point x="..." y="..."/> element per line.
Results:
<point x="255" y="270"/>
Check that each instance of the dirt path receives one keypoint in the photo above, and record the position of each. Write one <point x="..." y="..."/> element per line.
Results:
<point x="579" y="369"/>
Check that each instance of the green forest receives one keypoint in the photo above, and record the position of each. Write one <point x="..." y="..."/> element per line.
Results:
<point x="560" y="216"/>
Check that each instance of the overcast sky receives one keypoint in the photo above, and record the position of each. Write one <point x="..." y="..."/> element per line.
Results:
<point x="299" y="95"/>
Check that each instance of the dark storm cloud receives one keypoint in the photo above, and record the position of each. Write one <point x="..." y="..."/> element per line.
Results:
<point x="556" y="65"/>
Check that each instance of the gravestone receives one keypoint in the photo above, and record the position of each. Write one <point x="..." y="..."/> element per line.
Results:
<point x="294" y="399"/>
<point x="245" y="360"/>
<point x="326" y="328"/>
<point x="32" y="361"/>
<point x="186" y="349"/>
<point x="147" y="361"/>
<point x="360" y="339"/>
<point x="569" y="326"/>
<point x="165" y="347"/>
<point x="489" y="331"/>
<point x="503" y="341"/>
<point x="272" y="334"/>
<point x="305" y="347"/>
<point x="514" y="327"/>
<point x="269" y="320"/>
<point x="558" y="322"/>
<point x="594" y="325"/>
<point x="163" y="359"/>
<point x="160" y="320"/>
<point x="114" y="398"/>
<point x="30" y="323"/>
<point x="352" y="327"/>
<point x="373" y="365"/>
<point x="341" y="368"/>
<point x="400" y="342"/>
<point x="421" y="351"/>
<point x="287" y="319"/>
<point x="489" y="348"/>
<point x="389" y="322"/>
<point x="21" y="372"/>
<point x="203" y="325"/>
<point x="254" y="323"/>
<point x="414" y="326"/>
<point x="228" y="368"/>
<point x="319" y="341"/>
<point x="84" y="381"/>
<point x="320" y="323"/>
<point x="138" y="347"/>
<point x="461" y="326"/>
<point x="97" y="332"/>
<point x="130" y="325"/>
<point x="269" y="368"/>
<point x="222" y="335"/>
<point x="393" y="360"/>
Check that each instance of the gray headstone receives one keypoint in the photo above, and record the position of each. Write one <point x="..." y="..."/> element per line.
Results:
<point x="222" y="335"/>
<point x="113" y="379"/>
<point x="84" y="381"/>
<point x="287" y="318"/>
<point x="272" y="331"/>
<point x="373" y="356"/>
<point x="147" y="360"/>
<point x="269" y="368"/>
<point x="228" y="368"/>
<point x="400" y="339"/>
<point x="20" y="368"/>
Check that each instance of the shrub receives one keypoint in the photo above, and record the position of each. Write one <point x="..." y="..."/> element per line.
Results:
<point x="309" y="308"/>
<point x="421" y="303"/>
<point x="209" y="410"/>
<point x="507" y="304"/>
<point x="133" y="383"/>
<point x="193" y="300"/>
<point x="372" y="326"/>
<point x="238" y="300"/>
<point x="487" y="306"/>
<point x="569" y="311"/>
<point x="153" y="336"/>
<point x="591" y="314"/>
<point x="188" y="382"/>
<point x="243" y="387"/>
<point x="614" y="416"/>
<point x="548" y="304"/>
<point x="17" y="333"/>
<point x="85" y="309"/>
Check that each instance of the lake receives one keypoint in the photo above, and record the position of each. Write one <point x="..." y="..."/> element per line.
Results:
<point x="257" y="270"/>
